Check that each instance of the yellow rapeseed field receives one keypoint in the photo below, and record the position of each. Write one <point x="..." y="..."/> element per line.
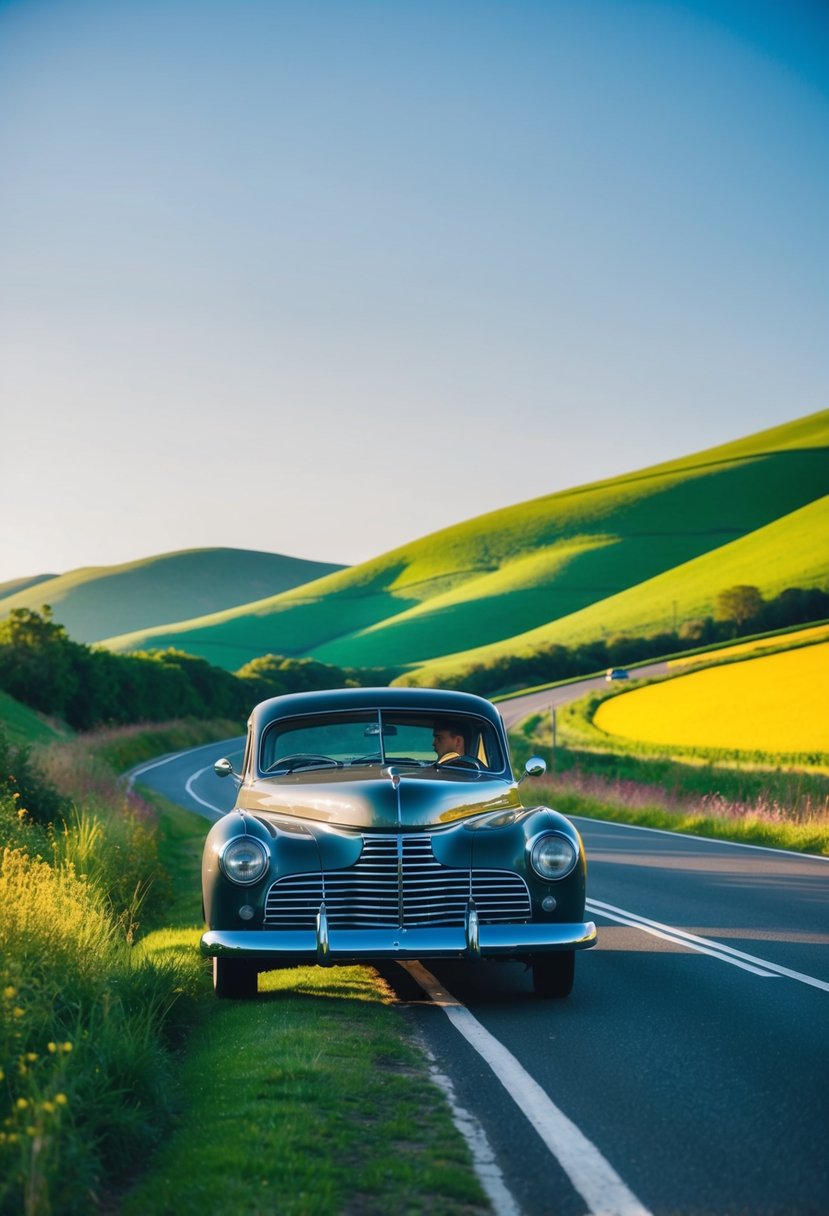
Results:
<point x="795" y="638"/>
<point x="776" y="703"/>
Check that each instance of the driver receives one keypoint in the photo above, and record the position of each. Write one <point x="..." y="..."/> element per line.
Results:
<point x="448" y="739"/>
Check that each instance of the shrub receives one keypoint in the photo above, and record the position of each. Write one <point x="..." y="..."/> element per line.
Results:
<point x="22" y="781"/>
<point x="86" y="1071"/>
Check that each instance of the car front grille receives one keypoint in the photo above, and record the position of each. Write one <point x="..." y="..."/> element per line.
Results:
<point x="396" y="883"/>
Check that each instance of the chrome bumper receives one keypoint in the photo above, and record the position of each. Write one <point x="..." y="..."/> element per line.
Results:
<point x="326" y="946"/>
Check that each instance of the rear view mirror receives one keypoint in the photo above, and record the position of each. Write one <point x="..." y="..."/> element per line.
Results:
<point x="535" y="767"/>
<point x="223" y="768"/>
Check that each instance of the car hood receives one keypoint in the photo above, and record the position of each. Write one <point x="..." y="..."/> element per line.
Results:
<point x="370" y="800"/>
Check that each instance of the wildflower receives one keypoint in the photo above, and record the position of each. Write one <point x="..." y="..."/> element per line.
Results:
<point x="66" y="1046"/>
<point x="18" y="1012"/>
<point x="2" y="1075"/>
<point x="31" y="1131"/>
<point x="51" y="1048"/>
<point x="31" y="1056"/>
<point x="9" y="993"/>
<point x="61" y="1100"/>
<point x="49" y="1107"/>
<point x="22" y="1103"/>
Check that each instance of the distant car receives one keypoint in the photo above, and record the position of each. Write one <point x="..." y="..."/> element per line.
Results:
<point x="616" y="673"/>
<point x="351" y="841"/>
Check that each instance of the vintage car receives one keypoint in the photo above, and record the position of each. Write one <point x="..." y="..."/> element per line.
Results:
<point x="385" y="823"/>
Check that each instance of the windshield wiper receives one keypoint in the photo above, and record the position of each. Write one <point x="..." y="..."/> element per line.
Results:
<point x="289" y="764"/>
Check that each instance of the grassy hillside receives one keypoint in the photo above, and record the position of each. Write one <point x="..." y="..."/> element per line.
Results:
<point x="96" y="602"/>
<point x="782" y="554"/>
<point x="518" y="569"/>
<point x="23" y="726"/>
<point x="16" y="585"/>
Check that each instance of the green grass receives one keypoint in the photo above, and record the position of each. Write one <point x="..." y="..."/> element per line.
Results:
<point x="777" y="807"/>
<point x="87" y="1083"/>
<point x="800" y="838"/>
<point x="24" y="726"/>
<point x="315" y="1098"/>
<point x="312" y="1099"/>
<point x="95" y="602"/>
<point x="513" y="571"/>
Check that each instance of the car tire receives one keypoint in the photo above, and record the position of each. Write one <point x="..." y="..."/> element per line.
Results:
<point x="234" y="979"/>
<point x="553" y="974"/>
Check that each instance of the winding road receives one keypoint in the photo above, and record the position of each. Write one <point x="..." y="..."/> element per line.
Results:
<point x="687" y="1074"/>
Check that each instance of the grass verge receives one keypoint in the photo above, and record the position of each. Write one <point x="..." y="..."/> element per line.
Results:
<point x="315" y="1098"/>
<point x="777" y="808"/>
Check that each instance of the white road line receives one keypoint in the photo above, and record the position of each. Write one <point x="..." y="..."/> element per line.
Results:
<point x="133" y="776"/>
<point x="202" y="802"/>
<point x="680" y="836"/>
<point x="141" y="769"/>
<point x="483" y="1158"/>
<point x="704" y="945"/>
<point x="591" y="1175"/>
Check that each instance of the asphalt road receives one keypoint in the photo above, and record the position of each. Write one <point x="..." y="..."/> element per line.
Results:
<point x="688" y="1072"/>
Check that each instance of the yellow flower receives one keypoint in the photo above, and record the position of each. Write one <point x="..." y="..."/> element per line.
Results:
<point x="2" y="1075"/>
<point x="61" y="1099"/>
<point x="49" y="1107"/>
<point x="18" y="1012"/>
<point x="31" y="1131"/>
<point x="31" y="1056"/>
<point x="67" y="1047"/>
<point x="9" y="992"/>
<point x="51" y="1048"/>
<point x="22" y="1103"/>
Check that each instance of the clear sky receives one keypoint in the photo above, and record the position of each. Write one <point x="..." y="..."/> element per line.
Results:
<point x="322" y="276"/>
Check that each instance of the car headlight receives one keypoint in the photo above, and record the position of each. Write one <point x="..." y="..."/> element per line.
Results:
<point x="553" y="856"/>
<point x="244" y="860"/>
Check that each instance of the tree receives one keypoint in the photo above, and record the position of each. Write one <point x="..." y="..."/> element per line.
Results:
<point x="36" y="661"/>
<point x="740" y="604"/>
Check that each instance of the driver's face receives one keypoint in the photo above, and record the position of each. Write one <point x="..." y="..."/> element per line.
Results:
<point x="445" y="741"/>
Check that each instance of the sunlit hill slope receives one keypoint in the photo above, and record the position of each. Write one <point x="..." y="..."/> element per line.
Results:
<point x="496" y="579"/>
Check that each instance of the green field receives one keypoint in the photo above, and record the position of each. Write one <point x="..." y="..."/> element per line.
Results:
<point x="23" y="726"/>
<point x="638" y="551"/>
<point x="95" y="602"/>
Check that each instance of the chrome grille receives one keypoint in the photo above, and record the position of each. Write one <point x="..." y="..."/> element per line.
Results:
<point x="395" y="883"/>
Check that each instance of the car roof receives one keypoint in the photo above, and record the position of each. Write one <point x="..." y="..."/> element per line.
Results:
<point x="440" y="701"/>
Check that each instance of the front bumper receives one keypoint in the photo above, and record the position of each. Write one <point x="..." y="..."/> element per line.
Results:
<point x="326" y="946"/>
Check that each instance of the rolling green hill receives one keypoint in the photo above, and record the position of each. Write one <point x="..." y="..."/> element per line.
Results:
<point x="783" y="554"/>
<point x="23" y="584"/>
<point x="97" y="601"/>
<point x="511" y="572"/>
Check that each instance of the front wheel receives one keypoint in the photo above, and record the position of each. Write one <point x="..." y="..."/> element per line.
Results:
<point x="553" y="974"/>
<point x="234" y="978"/>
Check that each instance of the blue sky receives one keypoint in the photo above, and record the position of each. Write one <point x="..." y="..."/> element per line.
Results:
<point x="322" y="277"/>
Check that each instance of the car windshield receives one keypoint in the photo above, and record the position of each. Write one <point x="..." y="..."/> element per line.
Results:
<point x="341" y="740"/>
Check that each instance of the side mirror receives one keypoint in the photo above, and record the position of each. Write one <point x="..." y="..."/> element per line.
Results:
<point x="223" y="768"/>
<point x="535" y="767"/>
